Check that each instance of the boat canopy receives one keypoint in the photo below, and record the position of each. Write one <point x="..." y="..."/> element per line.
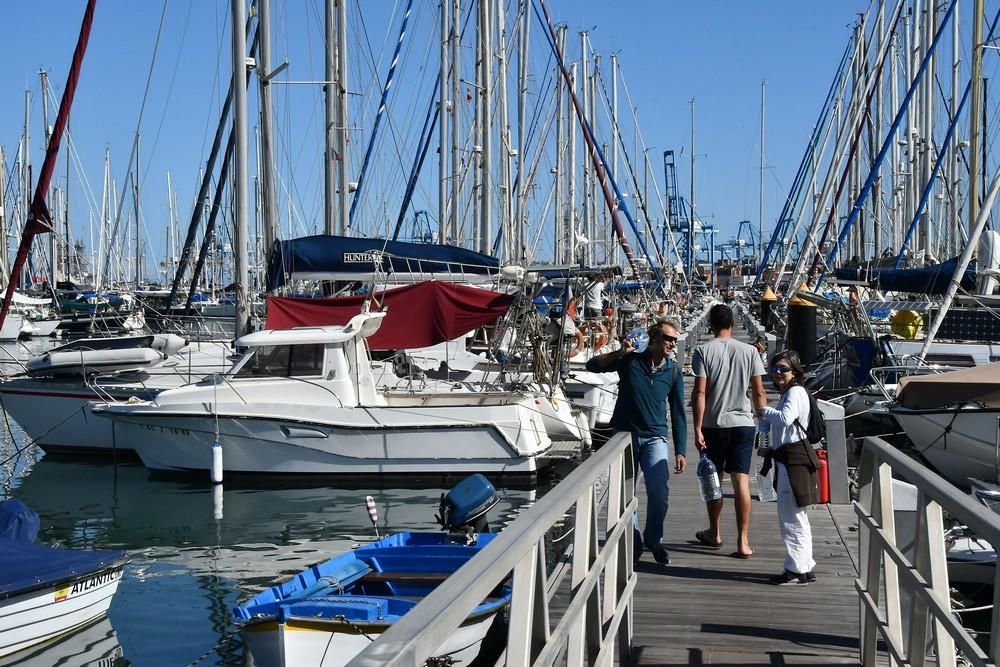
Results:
<point x="25" y="566"/>
<point x="363" y="324"/>
<point x="980" y="384"/>
<point x="326" y="257"/>
<point x="417" y="315"/>
<point x="932" y="279"/>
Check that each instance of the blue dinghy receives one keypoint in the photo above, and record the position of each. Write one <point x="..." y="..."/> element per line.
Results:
<point x="330" y="612"/>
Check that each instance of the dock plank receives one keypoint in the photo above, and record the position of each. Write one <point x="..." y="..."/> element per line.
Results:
<point x="708" y="608"/>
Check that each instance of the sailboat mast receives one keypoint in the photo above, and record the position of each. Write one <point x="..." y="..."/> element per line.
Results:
<point x="443" y="114"/>
<point x="453" y="235"/>
<point x="269" y="200"/>
<point x="978" y="9"/>
<point x="240" y="195"/>
<point x="760" y="217"/>
<point x="690" y="243"/>
<point x="485" y="125"/>
<point x="329" y="174"/>
<point x="343" y="198"/>
<point x="138" y="222"/>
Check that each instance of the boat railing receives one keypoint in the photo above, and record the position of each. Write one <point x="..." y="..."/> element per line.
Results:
<point x="882" y="376"/>
<point x="890" y="572"/>
<point x="592" y="623"/>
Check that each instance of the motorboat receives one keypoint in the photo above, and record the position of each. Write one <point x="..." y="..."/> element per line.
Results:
<point x="952" y="419"/>
<point x="328" y="613"/>
<point x="45" y="592"/>
<point x="52" y="400"/>
<point x="303" y="401"/>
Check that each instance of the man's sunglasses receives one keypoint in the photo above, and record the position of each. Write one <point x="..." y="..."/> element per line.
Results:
<point x="668" y="338"/>
<point x="780" y="369"/>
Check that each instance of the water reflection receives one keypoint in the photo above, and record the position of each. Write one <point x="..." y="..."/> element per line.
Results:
<point x="190" y="568"/>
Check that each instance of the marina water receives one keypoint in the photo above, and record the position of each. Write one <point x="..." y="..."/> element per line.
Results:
<point x="193" y="557"/>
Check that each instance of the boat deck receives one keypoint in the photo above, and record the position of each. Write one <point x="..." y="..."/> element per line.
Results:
<point x="708" y="607"/>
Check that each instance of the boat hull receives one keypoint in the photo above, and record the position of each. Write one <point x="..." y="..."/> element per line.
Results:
<point x="365" y="441"/>
<point x="47" y="613"/>
<point x="303" y="641"/>
<point x="960" y="443"/>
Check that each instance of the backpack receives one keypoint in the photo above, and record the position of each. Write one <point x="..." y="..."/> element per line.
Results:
<point x="815" y="430"/>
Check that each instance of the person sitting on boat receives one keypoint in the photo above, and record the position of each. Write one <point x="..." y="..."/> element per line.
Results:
<point x="593" y="305"/>
<point x="649" y="380"/>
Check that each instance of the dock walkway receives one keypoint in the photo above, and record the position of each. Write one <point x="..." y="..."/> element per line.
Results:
<point x="708" y="607"/>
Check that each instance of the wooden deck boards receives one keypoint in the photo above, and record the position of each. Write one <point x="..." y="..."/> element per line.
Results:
<point x="708" y="608"/>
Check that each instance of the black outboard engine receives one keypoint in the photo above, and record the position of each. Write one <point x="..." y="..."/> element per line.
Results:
<point x="463" y="510"/>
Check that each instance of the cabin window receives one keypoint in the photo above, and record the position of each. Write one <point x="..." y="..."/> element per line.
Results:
<point x="284" y="361"/>
<point x="956" y="360"/>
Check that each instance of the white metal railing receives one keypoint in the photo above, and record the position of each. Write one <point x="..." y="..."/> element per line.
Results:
<point x="693" y="330"/>
<point x="886" y="570"/>
<point x="598" y="613"/>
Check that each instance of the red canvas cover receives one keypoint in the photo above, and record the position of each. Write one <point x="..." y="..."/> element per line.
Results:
<point x="418" y="315"/>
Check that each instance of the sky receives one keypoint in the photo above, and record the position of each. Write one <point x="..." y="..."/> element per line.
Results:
<point x="714" y="52"/>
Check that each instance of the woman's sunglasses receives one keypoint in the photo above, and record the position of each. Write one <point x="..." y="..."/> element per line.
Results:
<point x="780" y="369"/>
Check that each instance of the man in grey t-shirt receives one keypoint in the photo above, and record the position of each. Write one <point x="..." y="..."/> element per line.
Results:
<point x="725" y="369"/>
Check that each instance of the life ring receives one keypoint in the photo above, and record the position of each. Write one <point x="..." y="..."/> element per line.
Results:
<point x="602" y="333"/>
<point x="580" y="344"/>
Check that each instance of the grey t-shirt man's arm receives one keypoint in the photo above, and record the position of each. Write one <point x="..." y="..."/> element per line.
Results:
<point x="727" y="365"/>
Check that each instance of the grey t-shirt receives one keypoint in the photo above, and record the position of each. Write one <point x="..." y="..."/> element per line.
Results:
<point x="728" y="365"/>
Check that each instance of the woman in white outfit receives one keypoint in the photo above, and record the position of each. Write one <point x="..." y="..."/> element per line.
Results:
<point x="792" y="453"/>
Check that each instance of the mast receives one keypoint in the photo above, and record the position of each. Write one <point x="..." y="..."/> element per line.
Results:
<point x="690" y="243"/>
<point x="53" y="241"/>
<point x="571" y="167"/>
<point x="586" y="222"/>
<point x="138" y="224"/>
<point x="329" y="91"/>
<point x="456" y="93"/>
<point x="240" y="195"/>
<point x="3" y="212"/>
<point x="611" y="255"/>
<point x="269" y="200"/>
<point x="522" y="118"/>
<point x="510" y="233"/>
<point x="978" y="9"/>
<point x="760" y="218"/>
<point x="343" y="199"/>
<point x="443" y="113"/>
<point x="559" y="254"/>
<point x="486" y="125"/>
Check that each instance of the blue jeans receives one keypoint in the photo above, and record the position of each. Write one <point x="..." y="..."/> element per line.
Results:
<point x="652" y="455"/>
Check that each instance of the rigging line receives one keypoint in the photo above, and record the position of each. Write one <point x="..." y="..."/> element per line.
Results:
<point x="138" y="125"/>
<point x="170" y="89"/>
<point x="866" y="189"/>
<point x="380" y="113"/>
<point x="643" y="204"/>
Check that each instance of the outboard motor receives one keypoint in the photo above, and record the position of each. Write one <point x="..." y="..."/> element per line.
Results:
<point x="463" y="510"/>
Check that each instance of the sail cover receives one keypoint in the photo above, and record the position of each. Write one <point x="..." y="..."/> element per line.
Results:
<point x="933" y="279"/>
<point x="417" y="315"/>
<point x="980" y="384"/>
<point x="325" y="257"/>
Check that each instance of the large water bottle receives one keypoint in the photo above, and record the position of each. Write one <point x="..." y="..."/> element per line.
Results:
<point x="708" y="479"/>
<point x="764" y="482"/>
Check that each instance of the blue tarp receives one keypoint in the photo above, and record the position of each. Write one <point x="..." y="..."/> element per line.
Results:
<point x="931" y="279"/>
<point x="325" y="257"/>
<point x="25" y="566"/>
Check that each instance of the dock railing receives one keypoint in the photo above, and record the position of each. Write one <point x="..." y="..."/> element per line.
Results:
<point x="692" y="330"/>
<point x="595" y="625"/>
<point x="886" y="571"/>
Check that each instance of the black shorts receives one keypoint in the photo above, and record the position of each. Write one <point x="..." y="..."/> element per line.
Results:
<point x="730" y="448"/>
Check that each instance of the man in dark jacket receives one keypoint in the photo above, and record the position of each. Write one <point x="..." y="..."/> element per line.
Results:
<point x="648" y="381"/>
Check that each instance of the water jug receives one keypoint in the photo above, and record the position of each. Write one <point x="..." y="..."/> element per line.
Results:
<point x="708" y="479"/>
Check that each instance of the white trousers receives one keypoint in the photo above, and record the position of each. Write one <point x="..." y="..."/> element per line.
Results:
<point x="794" y="524"/>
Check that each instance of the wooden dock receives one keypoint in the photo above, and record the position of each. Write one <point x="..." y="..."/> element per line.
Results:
<point x="709" y="608"/>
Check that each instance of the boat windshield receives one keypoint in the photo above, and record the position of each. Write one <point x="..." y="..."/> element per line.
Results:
<point x="284" y="361"/>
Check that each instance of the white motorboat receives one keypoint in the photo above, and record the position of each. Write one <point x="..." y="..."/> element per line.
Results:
<point x="52" y="402"/>
<point x="953" y="420"/>
<point x="304" y="401"/>
<point x="46" y="593"/>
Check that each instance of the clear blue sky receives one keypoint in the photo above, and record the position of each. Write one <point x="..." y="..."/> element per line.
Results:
<point x="670" y="52"/>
